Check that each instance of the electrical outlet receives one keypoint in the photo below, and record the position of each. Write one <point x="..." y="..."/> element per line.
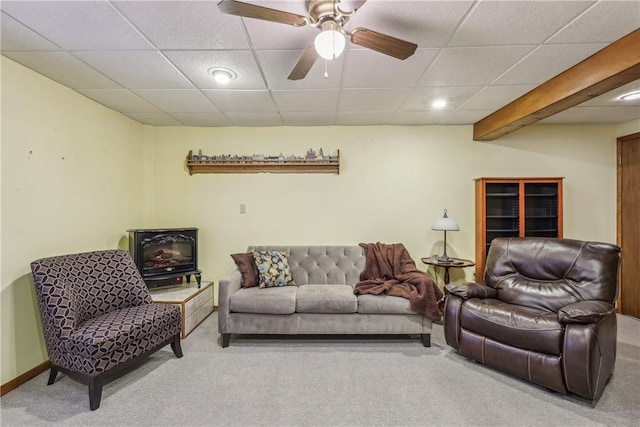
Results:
<point x="243" y="208"/>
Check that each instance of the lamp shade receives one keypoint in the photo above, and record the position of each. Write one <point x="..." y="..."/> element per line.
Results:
<point x="330" y="44"/>
<point x="445" y="224"/>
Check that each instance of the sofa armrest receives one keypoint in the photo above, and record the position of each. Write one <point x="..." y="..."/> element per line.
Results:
<point x="466" y="290"/>
<point x="585" y="312"/>
<point x="227" y="287"/>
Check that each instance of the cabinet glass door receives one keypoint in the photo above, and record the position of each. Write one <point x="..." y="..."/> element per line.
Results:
<point x="502" y="211"/>
<point x="541" y="209"/>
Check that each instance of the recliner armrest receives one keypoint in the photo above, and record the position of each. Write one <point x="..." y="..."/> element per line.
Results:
<point x="585" y="312"/>
<point x="466" y="290"/>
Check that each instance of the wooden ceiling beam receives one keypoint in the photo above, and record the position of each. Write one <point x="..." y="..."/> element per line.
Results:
<point x="607" y="69"/>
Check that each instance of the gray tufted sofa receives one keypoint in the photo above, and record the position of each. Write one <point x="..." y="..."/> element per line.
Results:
<point x="322" y="303"/>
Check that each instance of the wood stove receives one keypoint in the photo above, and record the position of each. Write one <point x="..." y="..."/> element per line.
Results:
<point x="165" y="256"/>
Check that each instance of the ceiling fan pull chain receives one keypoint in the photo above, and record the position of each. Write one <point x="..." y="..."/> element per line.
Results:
<point x="326" y="72"/>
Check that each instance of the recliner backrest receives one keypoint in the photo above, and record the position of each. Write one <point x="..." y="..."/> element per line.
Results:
<point x="550" y="273"/>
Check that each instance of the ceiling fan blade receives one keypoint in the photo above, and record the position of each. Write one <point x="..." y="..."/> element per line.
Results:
<point x="233" y="7"/>
<point x="383" y="43"/>
<point x="304" y="64"/>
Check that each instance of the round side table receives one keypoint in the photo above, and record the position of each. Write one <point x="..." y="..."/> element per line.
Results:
<point x="452" y="263"/>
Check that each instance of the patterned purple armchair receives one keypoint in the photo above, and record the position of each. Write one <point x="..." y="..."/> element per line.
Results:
<point x="98" y="316"/>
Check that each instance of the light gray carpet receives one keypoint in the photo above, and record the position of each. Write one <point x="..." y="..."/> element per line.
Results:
<point x="324" y="381"/>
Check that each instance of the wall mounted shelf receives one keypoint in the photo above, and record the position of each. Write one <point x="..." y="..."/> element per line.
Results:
<point x="262" y="166"/>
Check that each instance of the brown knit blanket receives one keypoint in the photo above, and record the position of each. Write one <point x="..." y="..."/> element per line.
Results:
<point x="390" y="270"/>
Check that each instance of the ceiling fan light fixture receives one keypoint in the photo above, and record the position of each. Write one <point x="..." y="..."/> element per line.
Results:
<point x="222" y="75"/>
<point x="330" y="44"/>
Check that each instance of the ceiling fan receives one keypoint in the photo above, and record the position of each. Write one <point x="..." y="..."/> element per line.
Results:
<point x="327" y="16"/>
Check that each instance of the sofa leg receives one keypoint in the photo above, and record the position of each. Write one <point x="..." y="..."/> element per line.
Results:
<point x="176" y="347"/>
<point x="426" y="340"/>
<point x="95" y="392"/>
<point x="53" y="372"/>
<point x="226" y="338"/>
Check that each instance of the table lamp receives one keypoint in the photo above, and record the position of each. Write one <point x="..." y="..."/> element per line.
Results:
<point x="445" y="224"/>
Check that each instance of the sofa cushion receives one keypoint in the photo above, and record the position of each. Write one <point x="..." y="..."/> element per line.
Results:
<point x="276" y="300"/>
<point x="518" y="326"/>
<point x="247" y="268"/>
<point x="383" y="304"/>
<point x="326" y="299"/>
<point x="273" y="269"/>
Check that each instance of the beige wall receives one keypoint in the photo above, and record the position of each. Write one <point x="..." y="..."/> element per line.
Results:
<point x="394" y="182"/>
<point x="71" y="181"/>
<point x="80" y="175"/>
<point x="628" y="128"/>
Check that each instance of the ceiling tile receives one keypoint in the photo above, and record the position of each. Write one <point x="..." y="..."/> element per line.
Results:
<point x="255" y="119"/>
<point x="202" y="119"/>
<point x="184" y="24"/>
<point x="496" y="96"/>
<point x="604" y="22"/>
<point x="463" y="117"/>
<point x="417" y="117"/>
<point x="64" y="68"/>
<point x="194" y="64"/>
<point x="77" y="24"/>
<point x="309" y="119"/>
<point x="470" y="66"/>
<point x="178" y="100"/>
<point x="426" y="23"/>
<point x="136" y="69"/>
<point x="311" y="100"/>
<point x="278" y="64"/>
<point x="363" y="118"/>
<point x="242" y="101"/>
<point x="420" y="99"/>
<point x="371" y="99"/>
<point x="272" y="35"/>
<point x="510" y="22"/>
<point x="366" y="68"/>
<point x="546" y="62"/>
<point x="121" y="100"/>
<point x="15" y="36"/>
<point x="154" y="119"/>
<point x="610" y="99"/>
<point x="580" y="114"/>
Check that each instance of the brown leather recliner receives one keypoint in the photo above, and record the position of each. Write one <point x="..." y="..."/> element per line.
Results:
<point x="546" y="313"/>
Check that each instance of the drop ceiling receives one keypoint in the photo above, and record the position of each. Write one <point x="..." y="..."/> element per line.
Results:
<point x="149" y="59"/>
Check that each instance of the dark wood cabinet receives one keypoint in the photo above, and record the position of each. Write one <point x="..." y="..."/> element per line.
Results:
<point x="515" y="207"/>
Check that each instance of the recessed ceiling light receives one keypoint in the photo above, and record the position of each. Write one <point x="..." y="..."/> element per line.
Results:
<point x="631" y="96"/>
<point x="439" y="103"/>
<point x="222" y="75"/>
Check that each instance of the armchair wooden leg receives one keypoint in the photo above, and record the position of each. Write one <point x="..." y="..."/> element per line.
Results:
<point x="53" y="372"/>
<point x="95" y="392"/>
<point x="426" y="340"/>
<point x="176" y="347"/>
<point x="226" y="338"/>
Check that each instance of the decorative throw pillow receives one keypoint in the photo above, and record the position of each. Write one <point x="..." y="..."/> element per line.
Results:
<point x="247" y="267"/>
<point x="273" y="269"/>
